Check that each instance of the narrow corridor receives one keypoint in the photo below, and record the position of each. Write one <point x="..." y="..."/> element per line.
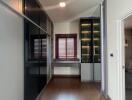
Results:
<point x="70" y="89"/>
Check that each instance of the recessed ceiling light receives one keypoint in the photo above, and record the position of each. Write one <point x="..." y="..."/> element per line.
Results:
<point x="62" y="4"/>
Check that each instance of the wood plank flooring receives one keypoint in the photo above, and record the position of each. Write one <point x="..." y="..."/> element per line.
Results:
<point x="70" y="89"/>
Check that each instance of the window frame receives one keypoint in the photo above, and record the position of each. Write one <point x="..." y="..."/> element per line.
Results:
<point x="57" y="36"/>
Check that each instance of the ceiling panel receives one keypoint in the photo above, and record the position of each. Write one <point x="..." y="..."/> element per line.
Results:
<point x="73" y="8"/>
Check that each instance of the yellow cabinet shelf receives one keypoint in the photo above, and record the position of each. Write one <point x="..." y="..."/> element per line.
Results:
<point x="85" y="47"/>
<point x="96" y="54"/>
<point x="86" y="32"/>
<point x="85" y="54"/>
<point x="96" y="39"/>
<point x="86" y="39"/>
<point x="85" y="25"/>
<point x="96" y="46"/>
<point x="96" y="32"/>
<point x="96" y="24"/>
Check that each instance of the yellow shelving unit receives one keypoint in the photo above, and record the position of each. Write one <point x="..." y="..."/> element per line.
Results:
<point x="90" y="40"/>
<point x="85" y="40"/>
<point x="96" y="41"/>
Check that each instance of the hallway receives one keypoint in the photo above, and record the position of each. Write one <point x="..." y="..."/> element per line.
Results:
<point x="70" y="89"/>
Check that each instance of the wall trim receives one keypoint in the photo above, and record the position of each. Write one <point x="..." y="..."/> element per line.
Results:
<point x="66" y="76"/>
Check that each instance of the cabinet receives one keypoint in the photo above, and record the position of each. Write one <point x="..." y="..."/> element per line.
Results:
<point x="36" y="49"/>
<point x="90" y="40"/>
<point x="86" y="40"/>
<point x="96" y="41"/>
<point x="90" y="48"/>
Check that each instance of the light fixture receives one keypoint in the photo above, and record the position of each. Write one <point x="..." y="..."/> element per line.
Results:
<point x="62" y="4"/>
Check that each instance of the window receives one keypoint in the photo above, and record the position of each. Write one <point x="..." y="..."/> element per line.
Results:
<point x="66" y="46"/>
<point x="62" y="48"/>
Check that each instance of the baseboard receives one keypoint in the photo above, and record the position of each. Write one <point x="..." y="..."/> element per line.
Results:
<point x="107" y="97"/>
<point x="66" y="76"/>
<point x="38" y="97"/>
<point x="87" y="81"/>
<point x="97" y="81"/>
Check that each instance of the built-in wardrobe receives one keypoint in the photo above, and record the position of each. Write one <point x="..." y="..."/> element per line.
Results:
<point x="37" y="49"/>
<point x="90" y="49"/>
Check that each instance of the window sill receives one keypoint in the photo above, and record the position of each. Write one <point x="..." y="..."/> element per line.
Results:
<point x="69" y="59"/>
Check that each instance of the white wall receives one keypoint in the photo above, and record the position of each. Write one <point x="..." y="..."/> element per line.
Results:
<point x="15" y="4"/>
<point x="88" y="13"/>
<point x="97" y="12"/>
<point x="67" y="28"/>
<point x="72" y="26"/>
<point x="11" y="55"/>
<point x="116" y="9"/>
<point x="66" y="70"/>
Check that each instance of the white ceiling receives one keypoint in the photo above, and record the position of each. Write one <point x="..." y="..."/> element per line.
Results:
<point x="128" y="22"/>
<point x="73" y="8"/>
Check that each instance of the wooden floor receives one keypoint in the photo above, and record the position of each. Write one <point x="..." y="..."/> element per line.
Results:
<point x="70" y="89"/>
